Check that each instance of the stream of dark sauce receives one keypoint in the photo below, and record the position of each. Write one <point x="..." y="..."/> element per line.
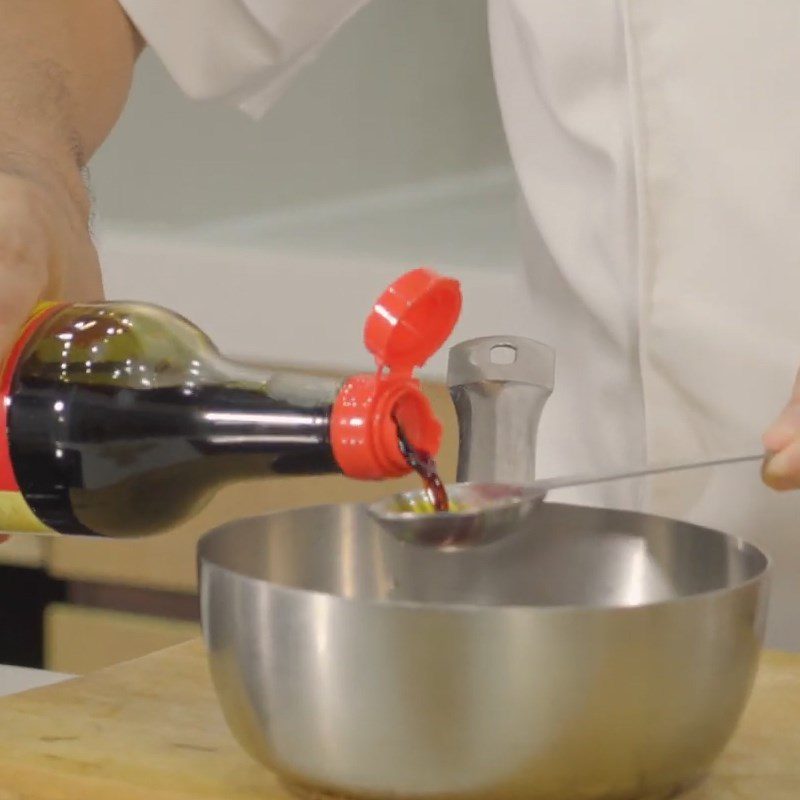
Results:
<point x="424" y="465"/>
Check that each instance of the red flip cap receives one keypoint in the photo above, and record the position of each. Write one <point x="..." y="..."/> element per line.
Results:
<point x="410" y="321"/>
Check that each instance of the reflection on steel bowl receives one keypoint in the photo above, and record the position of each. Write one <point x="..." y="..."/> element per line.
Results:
<point x="591" y="654"/>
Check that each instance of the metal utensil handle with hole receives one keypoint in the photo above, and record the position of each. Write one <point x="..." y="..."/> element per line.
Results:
<point x="499" y="386"/>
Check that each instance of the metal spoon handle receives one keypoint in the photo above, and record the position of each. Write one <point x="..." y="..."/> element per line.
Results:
<point x="540" y="487"/>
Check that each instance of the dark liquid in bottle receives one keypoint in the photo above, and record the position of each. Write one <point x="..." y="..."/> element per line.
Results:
<point x="425" y="466"/>
<point x="125" y="462"/>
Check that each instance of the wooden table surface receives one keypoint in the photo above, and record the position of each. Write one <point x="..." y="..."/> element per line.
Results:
<point x="151" y="729"/>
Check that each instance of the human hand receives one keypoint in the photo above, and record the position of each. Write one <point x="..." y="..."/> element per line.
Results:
<point x="46" y="251"/>
<point x="65" y="72"/>
<point x="782" y="442"/>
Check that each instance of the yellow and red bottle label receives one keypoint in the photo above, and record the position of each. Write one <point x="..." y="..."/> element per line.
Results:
<point x="15" y="514"/>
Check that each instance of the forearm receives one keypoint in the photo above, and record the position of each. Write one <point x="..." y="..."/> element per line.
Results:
<point x="65" y="72"/>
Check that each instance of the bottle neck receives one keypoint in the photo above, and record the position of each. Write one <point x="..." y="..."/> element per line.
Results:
<point x="281" y="419"/>
<point x="269" y="421"/>
<point x="294" y="388"/>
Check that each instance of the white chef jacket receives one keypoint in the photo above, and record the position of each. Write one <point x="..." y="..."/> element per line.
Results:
<point x="657" y="146"/>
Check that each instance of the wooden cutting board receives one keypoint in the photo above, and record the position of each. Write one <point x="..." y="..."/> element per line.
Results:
<point x="150" y="729"/>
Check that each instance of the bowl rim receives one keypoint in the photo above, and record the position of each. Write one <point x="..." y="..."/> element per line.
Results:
<point x="761" y="576"/>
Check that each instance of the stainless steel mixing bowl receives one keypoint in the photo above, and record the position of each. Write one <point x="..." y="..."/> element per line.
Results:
<point x="592" y="654"/>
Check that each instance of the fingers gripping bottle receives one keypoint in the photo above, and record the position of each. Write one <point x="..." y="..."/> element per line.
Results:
<point x="121" y="419"/>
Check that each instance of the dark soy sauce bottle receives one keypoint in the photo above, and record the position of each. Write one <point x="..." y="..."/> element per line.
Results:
<point x="122" y="419"/>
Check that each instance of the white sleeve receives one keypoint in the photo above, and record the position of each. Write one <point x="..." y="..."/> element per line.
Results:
<point x="241" y="51"/>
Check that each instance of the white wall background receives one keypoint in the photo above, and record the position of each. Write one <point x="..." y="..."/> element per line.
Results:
<point x="386" y="153"/>
<point x="404" y="93"/>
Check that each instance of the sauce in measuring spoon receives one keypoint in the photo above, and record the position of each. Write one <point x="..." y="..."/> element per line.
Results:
<point x="425" y="466"/>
